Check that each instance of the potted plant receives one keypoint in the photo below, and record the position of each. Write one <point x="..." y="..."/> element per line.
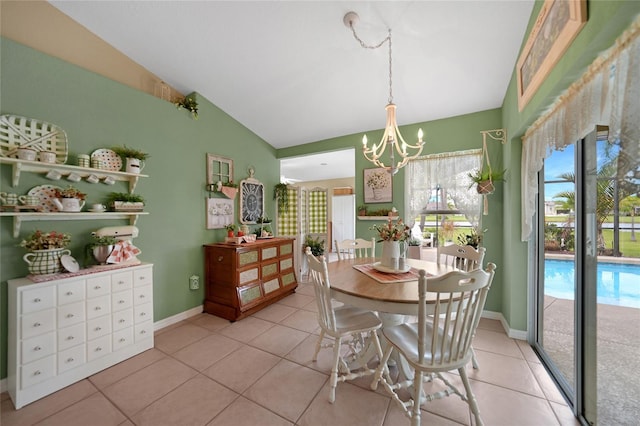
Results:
<point x="315" y="244"/>
<point x="124" y="202"/>
<point x="100" y="248"/>
<point x="134" y="158"/>
<point x="362" y="210"/>
<point x="281" y="194"/>
<point x="69" y="199"/>
<point x="45" y="251"/>
<point x="413" y="251"/>
<point x="230" y="229"/>
<point x="484" y="179"/>
<point x="189" y="103"/>
<point x="473" y="238"/>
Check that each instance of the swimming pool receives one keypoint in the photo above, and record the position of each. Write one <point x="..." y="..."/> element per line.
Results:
<point x="618" y="284"/>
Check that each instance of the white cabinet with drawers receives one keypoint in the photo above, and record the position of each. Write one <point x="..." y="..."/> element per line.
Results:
<point x="64" y="330"/>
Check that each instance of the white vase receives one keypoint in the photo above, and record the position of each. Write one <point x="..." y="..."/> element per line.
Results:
<point x="42" y="262"/>
<point x="390" y="254"/>
<point x="133" y="165"/>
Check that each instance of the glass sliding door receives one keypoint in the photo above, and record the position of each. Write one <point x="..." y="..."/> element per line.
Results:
<point x="587" y="317"/>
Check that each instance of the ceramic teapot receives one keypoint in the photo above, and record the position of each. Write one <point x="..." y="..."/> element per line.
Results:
<point x="68" y="204"/>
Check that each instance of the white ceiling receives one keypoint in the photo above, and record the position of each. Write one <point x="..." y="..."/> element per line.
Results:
<point x="293" y="73"/>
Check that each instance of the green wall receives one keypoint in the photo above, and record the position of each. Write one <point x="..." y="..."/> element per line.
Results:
<point x="99" y="113"/>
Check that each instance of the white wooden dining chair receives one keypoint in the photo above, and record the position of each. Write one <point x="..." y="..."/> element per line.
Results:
<point x="351" y="249"/>
<point x="344" y="325"/>
<point x="465" y="258"/>
<point x="432" y="347"/>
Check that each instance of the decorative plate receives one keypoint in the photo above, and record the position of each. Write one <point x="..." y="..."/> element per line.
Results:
<point x="46" y="194"/>
<point x="110" y="160"/>
<point x="378" y="267"/>
<point x="69" y="263"/>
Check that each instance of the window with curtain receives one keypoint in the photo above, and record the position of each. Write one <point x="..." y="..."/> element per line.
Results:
<point x="440" y="182"/>
<point x="607" y="94"/>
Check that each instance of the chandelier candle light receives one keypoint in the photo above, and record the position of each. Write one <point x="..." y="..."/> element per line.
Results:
<point x="392" y="135"/>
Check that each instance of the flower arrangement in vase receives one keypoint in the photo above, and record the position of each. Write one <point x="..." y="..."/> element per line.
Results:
<point x="45" y="251"/>
<point x="134" y="158"/>
<point x="69" y="199"/>
<point x="392" y="235"/>
<point x="230" y="229"/>
<point x="391" y="231"/>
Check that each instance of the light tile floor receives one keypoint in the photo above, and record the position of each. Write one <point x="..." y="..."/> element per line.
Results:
<point x="258" y="371"/>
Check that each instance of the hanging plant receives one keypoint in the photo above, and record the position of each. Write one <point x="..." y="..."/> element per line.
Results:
<point x="281" y="194"/>
<point x="484" y="179"/>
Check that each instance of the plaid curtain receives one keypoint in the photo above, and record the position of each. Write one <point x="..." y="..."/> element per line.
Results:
<point x="288" y="220"/>
<point x="317" y="212"/>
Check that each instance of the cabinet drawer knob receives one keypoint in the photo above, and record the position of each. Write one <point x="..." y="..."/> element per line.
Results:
<point x="122" y="339"/>
<point x="143" y="314"/>
<point x="143" y="332"/>
<point x="37" y="373"/>
<point x="220" y="258"/>
<point x="142" y="277"/>
<point x="97" y="287"/>
<point x="98" y="349"/>
<point x="37" y="300"/>
<point x="98" y="328"/>
<point x="97" y="308"/>
<point x="70" y="360"/>
<point x="69" y="315"/>
<point x="141" y="296"/>
<point x="121" y="301"/>
<point x="69" y="293"/>
<point x="120" y="282"/>
<point x="37" y="324"/>
<point x="70" y="338"/>
<point x="37" y="348"/>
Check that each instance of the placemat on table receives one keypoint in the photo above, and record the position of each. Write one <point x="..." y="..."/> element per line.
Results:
<point x="384" y="277"/>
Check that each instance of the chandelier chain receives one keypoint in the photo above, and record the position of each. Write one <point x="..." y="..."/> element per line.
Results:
<point x="377" y="46"/>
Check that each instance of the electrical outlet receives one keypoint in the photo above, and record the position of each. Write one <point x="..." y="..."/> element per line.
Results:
<point x="194" y="282"/>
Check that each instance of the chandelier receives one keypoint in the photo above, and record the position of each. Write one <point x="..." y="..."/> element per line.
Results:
<point x="392" y="136"/>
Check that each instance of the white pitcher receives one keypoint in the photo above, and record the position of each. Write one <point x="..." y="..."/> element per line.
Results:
<point x="68" y="204"/>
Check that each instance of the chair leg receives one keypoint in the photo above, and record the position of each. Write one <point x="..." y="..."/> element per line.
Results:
<point x="318" y="346"/>
<point x="381" y="368"/>
<point x="417" y="393"/>
<point x="333" y="382"/>
<point x="471" y="398"/>
<point x="474" y="361"/>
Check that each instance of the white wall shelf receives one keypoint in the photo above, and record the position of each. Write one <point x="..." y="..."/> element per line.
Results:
<point x="379" y="218"/>
<point x="19" y="217"/>
<point x="66" y="169"/>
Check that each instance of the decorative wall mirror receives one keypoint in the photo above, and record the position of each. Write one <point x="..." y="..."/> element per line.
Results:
<point x="251" y="199"/>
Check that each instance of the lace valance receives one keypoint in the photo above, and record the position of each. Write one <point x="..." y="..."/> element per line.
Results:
<point x="607" y="94"/>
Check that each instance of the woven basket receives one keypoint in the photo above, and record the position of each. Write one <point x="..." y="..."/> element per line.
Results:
<point x="22" y="132"/>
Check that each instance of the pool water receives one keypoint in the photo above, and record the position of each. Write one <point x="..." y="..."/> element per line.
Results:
<point x="618" y="284"/>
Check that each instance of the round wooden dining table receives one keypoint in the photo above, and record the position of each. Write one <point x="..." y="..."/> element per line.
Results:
<point x="353" y="287"/>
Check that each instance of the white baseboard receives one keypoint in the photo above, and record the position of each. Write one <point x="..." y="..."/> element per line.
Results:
<point x="512" y="333"/>
<point x="3" y="385"/>
<point x="166" y="322"/>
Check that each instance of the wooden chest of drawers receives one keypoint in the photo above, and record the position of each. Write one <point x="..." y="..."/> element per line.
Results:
<point x="242" y="279"/>
<point x="66" y="329"/>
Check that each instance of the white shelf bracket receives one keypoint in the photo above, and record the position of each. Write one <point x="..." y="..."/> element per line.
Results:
<point x="133" y="181"/>
<point x="17" y="223"/>
<point x="17" y="168"/>
<point x="133" y="220"/>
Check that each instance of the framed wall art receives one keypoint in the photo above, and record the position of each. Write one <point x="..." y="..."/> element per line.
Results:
<point x="557" y="24"/>
<point x="378" y="186"/>
<point x="219" y="212"/>
<point x="251" y="199"/>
